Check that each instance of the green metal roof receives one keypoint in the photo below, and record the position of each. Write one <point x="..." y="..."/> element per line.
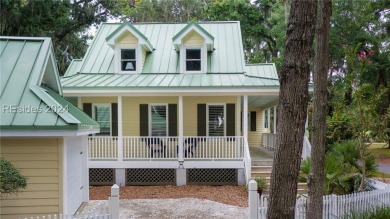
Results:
<point x="225" y="65"/>
<point x="74" y="67"/>
<point x="228" y="56"/>
<point x="139" y="81"/>
<point x="30" y="98"/>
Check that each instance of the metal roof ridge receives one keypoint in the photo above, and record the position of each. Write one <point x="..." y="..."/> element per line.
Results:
<point x="145" y="23"/>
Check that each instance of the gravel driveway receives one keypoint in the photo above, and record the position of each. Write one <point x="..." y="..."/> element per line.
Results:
<point x="171" y="208"/>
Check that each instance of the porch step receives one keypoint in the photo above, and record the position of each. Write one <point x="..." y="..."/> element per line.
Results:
<point x="262" y="162"/>
<point x="266" y="171"/>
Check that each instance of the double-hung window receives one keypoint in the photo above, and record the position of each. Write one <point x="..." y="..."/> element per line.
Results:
<point x="128" y="60"/>
<point x="193" y="60"/>
<point x="158" y="120"/>
<point x="216" y="120"/>
<point x="102" y="115"/>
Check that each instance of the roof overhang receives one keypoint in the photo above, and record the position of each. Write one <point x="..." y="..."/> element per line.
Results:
<point x="46" y="133"/>
<point x="128" y="27"/>
<point x="178" y="38"/>
<point x="219" y="91"/>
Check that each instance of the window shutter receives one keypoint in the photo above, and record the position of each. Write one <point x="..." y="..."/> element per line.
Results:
<point x="253" y="121"/>
<point x="87" y="108"/>
<point x="144" y="120"/>
<point x="114" y="119"/>
<point x="202" y="119"/>
<point x="230" y="119"/>
<point x="172" y="119"/>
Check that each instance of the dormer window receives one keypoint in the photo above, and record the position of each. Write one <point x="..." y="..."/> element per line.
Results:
<point x="193" y="44"/>
<point x="193" y="60"/>
<point x="128" y="60"/>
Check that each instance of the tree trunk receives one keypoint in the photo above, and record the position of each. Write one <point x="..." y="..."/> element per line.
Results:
<point x="320" y="73"/>
<point x="293" y="99"/>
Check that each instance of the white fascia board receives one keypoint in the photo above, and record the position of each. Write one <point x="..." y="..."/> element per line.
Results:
<point x="141" y="40"/>
<point x="46" y="133"/>
<point x="175" y="92"/>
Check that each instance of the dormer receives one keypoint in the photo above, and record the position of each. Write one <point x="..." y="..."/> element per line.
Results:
<point x="130" y="47"/>
<point x="193" y="43"/>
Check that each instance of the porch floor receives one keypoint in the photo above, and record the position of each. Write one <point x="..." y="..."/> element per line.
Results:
<point x="261" y="156"/>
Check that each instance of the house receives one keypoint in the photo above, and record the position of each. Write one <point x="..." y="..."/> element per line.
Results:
<point x="41" y="133"/>
<point x="176" y="102"/>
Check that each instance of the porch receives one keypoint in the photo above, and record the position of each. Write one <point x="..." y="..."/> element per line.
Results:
<point x="166" y="152"/>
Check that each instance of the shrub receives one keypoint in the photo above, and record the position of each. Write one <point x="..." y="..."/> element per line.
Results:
<point x="379" y="213"/>
<point x="11" y="180"/>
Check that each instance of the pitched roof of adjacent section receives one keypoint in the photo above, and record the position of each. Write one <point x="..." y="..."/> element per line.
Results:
<point x="27" y="103"/>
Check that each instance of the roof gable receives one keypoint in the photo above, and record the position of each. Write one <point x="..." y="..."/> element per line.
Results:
<point x="30" y="89"/>
<point x="189" y="29"/>
<point x="127" y="27"/>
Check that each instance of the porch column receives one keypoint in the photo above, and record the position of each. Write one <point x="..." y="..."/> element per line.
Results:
<point x="180" y="142"/>
<point x="245" y="119"/>
<point x="180" y="171"/>
<point x="120" y="130"/>
<point x="238" y="116"/>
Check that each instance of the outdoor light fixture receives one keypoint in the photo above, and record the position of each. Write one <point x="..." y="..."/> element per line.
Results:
<point x="181" y="166"/>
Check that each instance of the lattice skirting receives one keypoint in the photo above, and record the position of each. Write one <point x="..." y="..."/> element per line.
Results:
<point x="101" y="177"/>
<point x="212" y="176"/>
<point x="151" y="177"/>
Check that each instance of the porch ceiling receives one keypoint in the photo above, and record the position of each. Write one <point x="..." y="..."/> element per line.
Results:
<point x="261" y="101"/>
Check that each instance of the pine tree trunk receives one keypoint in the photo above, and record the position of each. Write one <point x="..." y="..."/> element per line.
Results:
<point x="320" y="74"/>
<point x="293" y="99"/>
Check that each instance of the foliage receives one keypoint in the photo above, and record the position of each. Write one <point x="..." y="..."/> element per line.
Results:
<point x="11" y="180"/>
<point x="379" y="213"/>
<point x="66" y="22"/>
<point x="343" y="168"/>
<point x="261" y="183"/>
<point x="359" y="85"/>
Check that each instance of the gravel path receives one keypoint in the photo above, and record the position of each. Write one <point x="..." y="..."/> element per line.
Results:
<point x="171" y="208"/>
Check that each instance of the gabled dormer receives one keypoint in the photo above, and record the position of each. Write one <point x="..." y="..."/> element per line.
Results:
<point x="130" y="47"/>
<point x="193" y="43"/>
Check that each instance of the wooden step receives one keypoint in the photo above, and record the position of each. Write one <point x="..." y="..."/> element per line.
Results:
<point x="262" y="168"/>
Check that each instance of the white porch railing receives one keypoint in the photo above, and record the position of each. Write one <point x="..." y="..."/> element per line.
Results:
<point x="194" y="147"/>
<point x="247" y="162"/>
<point x="206" y="147"/>
<point x="103" y="147"/>
<point x="150" y="147"/>
<point x="269" y="140"/>
<point x="333" y="206"/>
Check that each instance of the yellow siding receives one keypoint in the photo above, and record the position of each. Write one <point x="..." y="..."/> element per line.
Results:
<point x="131" y="111"/>
<point x="99" y="100"/>
<point x="127" y="39"/>
<point x="254" y="137"/>
<point x="38" y="160"/>
<point x="190" y="107"/>
<point x="193" y="39"/>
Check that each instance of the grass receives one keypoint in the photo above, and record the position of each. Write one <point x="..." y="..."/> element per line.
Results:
<point x="381" y="175"/>
<point x="379" y="151"/>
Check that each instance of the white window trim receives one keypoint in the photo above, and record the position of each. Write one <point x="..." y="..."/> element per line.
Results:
<point x="94" y="114"/>
<point x="203" y="57"/>
<point x="118" y="58"/>
<point x="269" y="119"/>
<point x="224" y="117"/>
<point x="150" y="116"/>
